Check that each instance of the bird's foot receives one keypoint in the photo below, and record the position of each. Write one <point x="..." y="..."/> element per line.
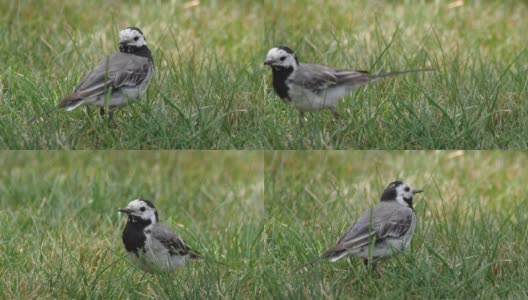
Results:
<point x="301" y="119"/>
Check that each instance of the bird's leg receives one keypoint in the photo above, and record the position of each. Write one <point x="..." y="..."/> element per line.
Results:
<point x="335" y="113"/>
<point x="301" y="118"/>
<point x="366" y="263"/>
<point x="111" y="113"/>
<point x="371" y="264"/>
<point x="374" y="264"/>
<point x="111" y="110"/>
<point x="142" y="276"/>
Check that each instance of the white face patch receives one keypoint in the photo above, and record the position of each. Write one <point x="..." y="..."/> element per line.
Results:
<point x="132" y="37"/>
<point x="277" y="57"/>
<point x="142" y="210"/>
<point x="404" y="191"/>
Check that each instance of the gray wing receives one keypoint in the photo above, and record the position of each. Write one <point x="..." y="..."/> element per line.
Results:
<point x="117" y="70"/>
<point x="172" y="241"/>
<point x="318" y="78"/>
<point x="387" y="221"/>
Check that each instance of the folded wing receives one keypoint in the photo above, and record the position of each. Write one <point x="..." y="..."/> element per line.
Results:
<point x="375" y="225"/>
<point x="115" y="71"/>
<point x="318" y="78"/>
<point x="173" y="242"/>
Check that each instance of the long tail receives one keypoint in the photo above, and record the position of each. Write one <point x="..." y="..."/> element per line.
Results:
<point x="310" y="263"/>
<point x="390" y="74"/>
<point x="43" y="114"/>
<point x="333" y="254"/>
<point x="70" y="102"/>
<point x="195" y="255"/>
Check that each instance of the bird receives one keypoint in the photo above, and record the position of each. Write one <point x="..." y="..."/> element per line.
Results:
<point x="153" y="246"/>
<point x="117" y="79"/>
<point x="382" y="231"/>
<point x="312" y="87"/>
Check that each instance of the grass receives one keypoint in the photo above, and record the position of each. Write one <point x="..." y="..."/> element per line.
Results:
<point x="258" y="216"/>
<point x="469" y="242"/>
<point x="212" y="92"/>
<point x="61" y="232"/>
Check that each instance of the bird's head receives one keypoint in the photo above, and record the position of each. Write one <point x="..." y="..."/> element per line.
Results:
<point x="131" y="38"/>
<point x="400" y="192"/>
<point x="281" y="58"/>
<point x="141" y="210"/>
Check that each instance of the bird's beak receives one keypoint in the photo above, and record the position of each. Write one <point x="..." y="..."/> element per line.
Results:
<point x="268" y="62"/>
<point x="125" y="210"/>
<point x="417" y="191"/>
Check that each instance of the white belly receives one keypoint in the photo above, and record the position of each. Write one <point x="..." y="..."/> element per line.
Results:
<point x="308" y="101"/>
<point x="156" y="258"/>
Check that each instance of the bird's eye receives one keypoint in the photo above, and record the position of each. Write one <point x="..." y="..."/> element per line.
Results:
<point x="283" y="58"/>
<point x="407" y="189"/>
<point x="136" y="38"/>
<point x="142" y="208"/>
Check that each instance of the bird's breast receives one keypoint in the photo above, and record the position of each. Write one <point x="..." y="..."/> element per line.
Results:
<point x="133" y="237"/>
<point x="280" y="82"/>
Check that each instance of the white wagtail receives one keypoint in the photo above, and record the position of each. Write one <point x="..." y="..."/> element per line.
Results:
<point x="123" y="76"/>
<point x="382" y="231"/>
<point x="309" y="87"/>
<point x="153" y="246"/>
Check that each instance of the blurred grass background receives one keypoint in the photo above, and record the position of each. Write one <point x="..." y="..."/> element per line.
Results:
<point x="470" y="240"/>
<point x="258" y="216"/>
<point x="212" y="92"/>
<point x="474" y="100"/>
<point x="61" y="232"/>
<point x="202" y="95"/>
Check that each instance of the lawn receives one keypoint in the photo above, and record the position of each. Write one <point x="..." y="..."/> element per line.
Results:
<point x="211" y="90"/>
<point x="60" y="232"/>
<point x="471" y="236"/>
<point x="257" y="217"/>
